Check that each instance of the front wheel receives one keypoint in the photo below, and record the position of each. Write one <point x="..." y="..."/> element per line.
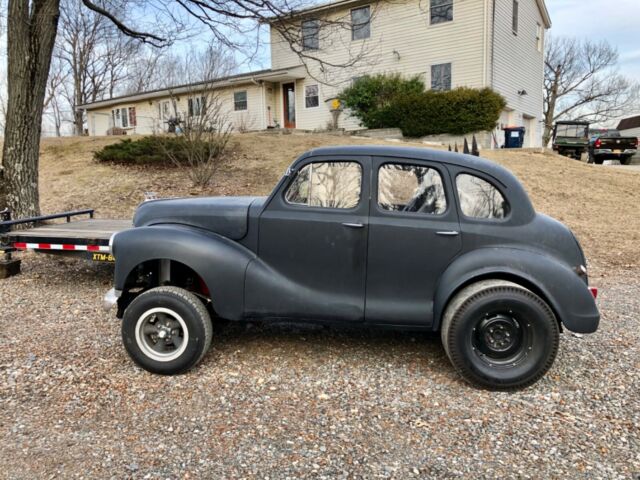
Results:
<point x="166" y="330"/>
<point x="500" y="335"/>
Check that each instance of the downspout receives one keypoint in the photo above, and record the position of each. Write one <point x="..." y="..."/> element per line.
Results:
<point x="262" y="105"/>
<point x="494" y="139"/>
<point x="485" y="40"/>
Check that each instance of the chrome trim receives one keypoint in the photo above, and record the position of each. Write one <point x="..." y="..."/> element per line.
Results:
<point x="110" y="299"/>
<point x="111" y="242"/>
<point x="448" y="233"/>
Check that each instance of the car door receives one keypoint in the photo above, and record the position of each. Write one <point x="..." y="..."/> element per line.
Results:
<point x="313" y="244"/>
<point x="413" y="236"/>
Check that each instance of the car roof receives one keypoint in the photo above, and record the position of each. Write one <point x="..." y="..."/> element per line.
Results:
<point x="514" y="189"/>
<point x="429" y="154"/>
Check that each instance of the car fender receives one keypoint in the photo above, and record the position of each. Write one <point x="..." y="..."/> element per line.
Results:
<point x="565" y="291"/>
<point x="220" y="262"/>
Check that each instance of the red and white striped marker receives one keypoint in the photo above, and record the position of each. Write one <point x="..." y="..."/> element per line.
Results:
<point x="60" y="246"/>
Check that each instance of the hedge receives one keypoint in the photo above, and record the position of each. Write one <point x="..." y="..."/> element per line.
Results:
<point x="151" y="150"/>
<point x="369" y="96"/>
<point x="392" y="102"/>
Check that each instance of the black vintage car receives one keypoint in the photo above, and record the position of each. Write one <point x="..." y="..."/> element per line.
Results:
<point x="408" y="238"/>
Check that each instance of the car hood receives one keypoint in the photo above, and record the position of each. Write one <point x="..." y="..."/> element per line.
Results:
<point x="227" y="216"/>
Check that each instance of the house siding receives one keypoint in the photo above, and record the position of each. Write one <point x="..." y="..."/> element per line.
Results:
<point x="410" y="50"/>
<point x="149" y="121"/>
<point x="517" y="64"/>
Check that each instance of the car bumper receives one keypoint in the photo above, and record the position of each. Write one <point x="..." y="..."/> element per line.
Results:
<point x="614" y="153"/>
<point x="110" y="299"/>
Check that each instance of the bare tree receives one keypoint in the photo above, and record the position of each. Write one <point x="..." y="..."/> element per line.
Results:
<point x="32" y="28"/>
<point x="95" y="53"/>
<point x="581" y="83"/>
<point x="55" y="93"/>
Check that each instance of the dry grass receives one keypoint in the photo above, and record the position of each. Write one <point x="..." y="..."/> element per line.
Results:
<point x="599" y="203"/>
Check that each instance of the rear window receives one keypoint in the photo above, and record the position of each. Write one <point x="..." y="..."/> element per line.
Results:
<point x="480" y="199"/>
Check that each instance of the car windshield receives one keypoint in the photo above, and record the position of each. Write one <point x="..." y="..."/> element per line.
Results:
<point x="574" y="131"/>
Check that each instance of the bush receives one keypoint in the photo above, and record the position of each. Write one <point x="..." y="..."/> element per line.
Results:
<point x="384" y="101"/>
<point x="370" y="96"/>
<point x="156" y="150"/>
<point x="455" y="112"/>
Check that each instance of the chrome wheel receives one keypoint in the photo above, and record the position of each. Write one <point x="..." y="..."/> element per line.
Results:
<point x="161" y="334"/>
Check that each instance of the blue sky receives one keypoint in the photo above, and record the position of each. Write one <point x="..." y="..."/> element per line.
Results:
<point x="617" y="21"/>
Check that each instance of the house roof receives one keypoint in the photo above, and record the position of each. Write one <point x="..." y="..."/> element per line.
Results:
<point x="629" y="123"/>
<point x="238" y="79"/>
<point x="349" y="3"/>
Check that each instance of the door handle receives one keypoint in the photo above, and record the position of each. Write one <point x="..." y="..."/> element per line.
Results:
<point x="448" y="233"/>
<point x="353" y="225"/>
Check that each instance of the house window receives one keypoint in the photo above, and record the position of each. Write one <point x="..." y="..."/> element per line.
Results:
<point x="441" y="77"/>
<point x="311" y="35"/>
<point x="240" y="100"/>
<point x="124" y="117"/>
<point x="360" y="23"/>
<point x="441" y="11"/>
<point x="539" y="37"/>
<point x="514" y="19"/>
<point x="196" y="106"/>
<point x="311" y="98"/>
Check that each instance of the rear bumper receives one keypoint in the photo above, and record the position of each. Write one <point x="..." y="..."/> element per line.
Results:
<point x="610" y="153"/>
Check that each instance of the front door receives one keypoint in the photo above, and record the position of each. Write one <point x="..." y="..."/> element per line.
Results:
<point x="313" y="244"/>
<point x="413" y="236"/>
<point x="289" y="98"/>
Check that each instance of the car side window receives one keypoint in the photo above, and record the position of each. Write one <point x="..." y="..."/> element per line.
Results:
<point x="480" y="199"/>
<point x="326" y="185"/>
<point x="411" y="188"/>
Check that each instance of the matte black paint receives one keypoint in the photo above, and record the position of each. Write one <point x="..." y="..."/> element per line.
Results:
<point x="270" y="259"/>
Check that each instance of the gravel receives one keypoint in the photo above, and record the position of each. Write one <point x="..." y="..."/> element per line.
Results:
<point x="293" y="402"/>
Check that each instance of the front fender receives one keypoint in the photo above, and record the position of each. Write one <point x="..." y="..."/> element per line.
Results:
<point x="566" y="293"/>
<point x="220" y="262"/>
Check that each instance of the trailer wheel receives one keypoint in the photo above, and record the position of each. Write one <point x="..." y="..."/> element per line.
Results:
<point x="500" y="335"/>
<point x="166" y="330"/>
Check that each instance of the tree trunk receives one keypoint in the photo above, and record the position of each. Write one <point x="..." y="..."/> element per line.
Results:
<point x="31" y="33"/>
<point x="78" y="121"/>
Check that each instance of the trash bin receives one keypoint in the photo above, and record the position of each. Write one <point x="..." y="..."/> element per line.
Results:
<point x="513" y="137"/>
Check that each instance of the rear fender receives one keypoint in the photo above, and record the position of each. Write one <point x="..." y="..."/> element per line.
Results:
<point x="220" y="262"/>
<point x="561" y="287"/>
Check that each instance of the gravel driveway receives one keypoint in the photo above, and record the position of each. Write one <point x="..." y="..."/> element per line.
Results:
<point x="288" y="402"/>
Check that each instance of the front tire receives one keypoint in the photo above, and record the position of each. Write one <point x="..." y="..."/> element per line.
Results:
<point x="166" y="330"/>
<point x="500" y="335"/>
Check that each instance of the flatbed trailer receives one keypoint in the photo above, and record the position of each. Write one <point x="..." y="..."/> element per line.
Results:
<point x="84" y="237"/>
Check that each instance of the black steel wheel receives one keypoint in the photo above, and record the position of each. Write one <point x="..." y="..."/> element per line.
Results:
<point x="500" y="335"/>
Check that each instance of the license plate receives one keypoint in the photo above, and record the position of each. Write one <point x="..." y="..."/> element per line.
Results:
<point x="102" y="257"/>
<point x="617" y="151"/>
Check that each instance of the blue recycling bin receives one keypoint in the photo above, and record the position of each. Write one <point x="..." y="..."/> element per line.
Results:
<point x="513" y="137"/>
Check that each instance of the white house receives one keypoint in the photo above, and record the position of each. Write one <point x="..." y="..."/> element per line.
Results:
<point x="630" y="127"/>
<point x="449" y="43"/>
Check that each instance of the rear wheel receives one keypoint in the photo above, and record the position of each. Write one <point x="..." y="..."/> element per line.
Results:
<point x="166" y="330"/>
<point x="500" y="335"/>
<point x="625" y="160"/>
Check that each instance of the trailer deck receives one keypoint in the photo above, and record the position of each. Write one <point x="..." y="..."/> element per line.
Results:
<point x="87" y="237"/>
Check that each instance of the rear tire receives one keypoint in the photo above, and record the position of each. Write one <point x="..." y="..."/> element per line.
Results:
<point x="626" y="160"/>
<point x="500" y="335"/>
<point x="166" y="330"/>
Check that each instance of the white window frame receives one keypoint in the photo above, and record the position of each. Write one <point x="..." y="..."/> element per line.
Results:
<point x="195" y="106"/>
<point x="368" y="23"/>
<point x="450" y="77"/>
<point x="246" y="101"/>
<point x="317" y="95"/>
<point x="317" y="34"/>
<point x="443" y="22"/>
<point x="120" y="116"/>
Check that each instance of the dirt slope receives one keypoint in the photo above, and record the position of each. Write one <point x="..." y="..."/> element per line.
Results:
<point x="599" y="203"/>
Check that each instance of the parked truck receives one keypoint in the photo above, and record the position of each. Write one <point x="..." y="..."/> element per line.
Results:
<point x="609" y="144"/>
<point x="571" y="138"/>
